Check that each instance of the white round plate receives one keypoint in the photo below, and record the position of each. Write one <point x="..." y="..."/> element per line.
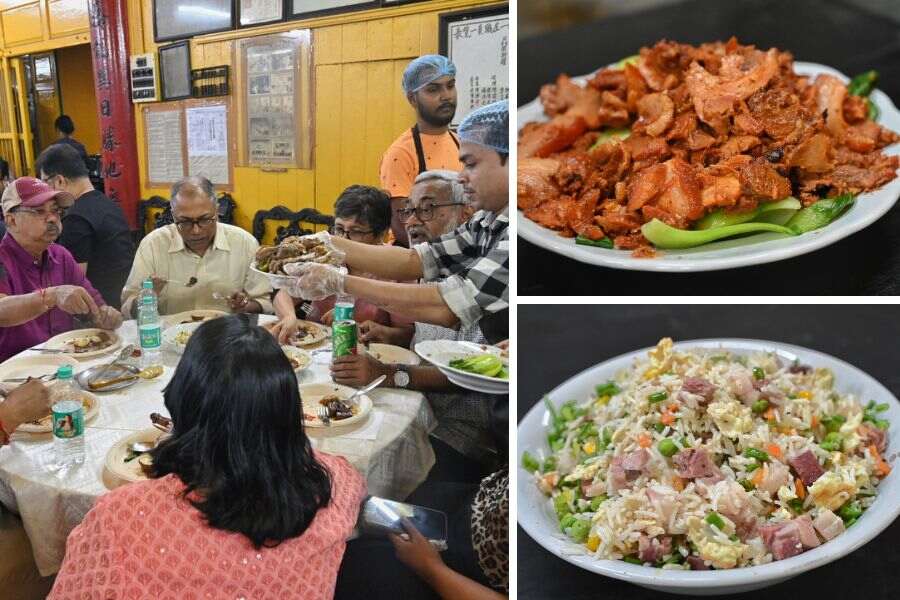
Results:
<point x="31" y="365"/>
<point x="311" y="393"/>
<point x="303" y="358"/>
<point x="61" y="342"/>
<point x="317" y="333"/>
<point x="170" y="336"/>
<point x="115" y="458"/>
<point x="751" y="250"/>
<point x="441" y="352"/>
<point x="282" y="281"/>
<point x="45" y="425"/>
<point x="390" y="354"/>
<point x="536" y="516"/>
<point x="193" y="316"/>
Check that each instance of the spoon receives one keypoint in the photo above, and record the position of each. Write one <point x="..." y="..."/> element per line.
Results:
<point x="352" y="397"/>
<point x="125" y="353"/>
<point x="148" y="373"/>
<point x="138" y="448"/>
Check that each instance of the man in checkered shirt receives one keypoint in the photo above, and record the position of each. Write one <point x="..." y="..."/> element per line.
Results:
<point x="469" y="265"/>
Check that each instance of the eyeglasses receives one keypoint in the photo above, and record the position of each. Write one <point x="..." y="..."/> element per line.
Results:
<point x="189" y="224"/>
<point x="350" y="234"/>
<point x="57" y="212"/>
<point x="424" y="213"/>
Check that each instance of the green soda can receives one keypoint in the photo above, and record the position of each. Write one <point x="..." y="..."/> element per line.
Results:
<point x="343" y="338"/>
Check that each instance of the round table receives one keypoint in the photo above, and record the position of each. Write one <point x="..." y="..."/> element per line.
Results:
<point x="391" y="449"/>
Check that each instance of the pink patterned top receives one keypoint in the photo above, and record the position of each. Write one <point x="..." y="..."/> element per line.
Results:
<point x="143" y="541"/>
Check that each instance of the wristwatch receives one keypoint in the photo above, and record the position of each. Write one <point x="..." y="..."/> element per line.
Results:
<point x="401" y="376"/>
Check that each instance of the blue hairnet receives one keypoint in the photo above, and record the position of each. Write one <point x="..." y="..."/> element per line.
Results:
<point x="488" y="126"/>
<point x="426" y="69"/>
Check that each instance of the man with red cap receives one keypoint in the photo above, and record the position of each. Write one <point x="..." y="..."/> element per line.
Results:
<point x="41" y="286"/>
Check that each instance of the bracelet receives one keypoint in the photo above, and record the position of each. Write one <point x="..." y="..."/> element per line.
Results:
<point x="4" y="435"/>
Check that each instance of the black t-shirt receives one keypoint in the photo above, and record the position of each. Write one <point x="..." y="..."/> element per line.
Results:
<point x="95" y="231"/>
<point x="74" y="143"/>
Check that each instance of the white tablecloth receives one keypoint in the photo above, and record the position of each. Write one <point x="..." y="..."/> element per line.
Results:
<point x="391" y="449"/>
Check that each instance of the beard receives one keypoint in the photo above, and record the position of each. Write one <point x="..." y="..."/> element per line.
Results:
<point x="434" y="118"/>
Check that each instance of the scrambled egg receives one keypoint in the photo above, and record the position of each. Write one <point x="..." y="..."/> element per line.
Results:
<point x="831" y="490"/>
<point x="722" y="555"/>
<point x="786" y="494"/>
<point x="823" y="378"/>
<point x="732" y="418"/>
<point x="583" y="471"/>
<point x="660" y="359"/>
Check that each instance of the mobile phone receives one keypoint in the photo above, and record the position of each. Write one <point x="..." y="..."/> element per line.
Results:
<point x="379" y="517"/>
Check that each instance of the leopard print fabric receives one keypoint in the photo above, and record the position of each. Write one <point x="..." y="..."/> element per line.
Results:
<point x="490" y="528"/>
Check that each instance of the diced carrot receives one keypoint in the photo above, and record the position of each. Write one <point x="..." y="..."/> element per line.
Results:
<point x="769" y="414"/>
<point x="759" y="474"/>
<point x="644" y="440"/>
<point x="677" y="483"/>
<point x="673" y="407"/>
<point x="667" y="418"/>
<point x="881" y="465"/>
<point x="774" y="450"/>
<point x="815" y="421"/>
<point x="801" y="489"/>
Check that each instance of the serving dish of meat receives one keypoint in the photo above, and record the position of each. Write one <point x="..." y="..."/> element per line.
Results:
<point x="333" y="396"/>
<point x="270" y="260"/>
<point x="691" y="158"/>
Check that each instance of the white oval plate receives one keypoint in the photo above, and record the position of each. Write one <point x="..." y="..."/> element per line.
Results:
<point x="388" y="353"/>
<point x="187" y="317"/>
<point x="31" y="365"/>
<point x="45" y="425"/>
<point x="441" y="352"/>
<point x="61" y="342"/>
<point x="536" y="517"/>
<point x="752" y="250"/>
<point x="303" y="358"/>
<point x="311" y="393"/>
<point x="317" y="333"/>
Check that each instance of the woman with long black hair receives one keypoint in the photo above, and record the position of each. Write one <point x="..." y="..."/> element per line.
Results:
<point x="238" y="505"/>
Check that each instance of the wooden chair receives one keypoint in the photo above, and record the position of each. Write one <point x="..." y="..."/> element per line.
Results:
<point x="226" y="209"/>
<point x="295" y="219"/>
<point x="19" y="576"/>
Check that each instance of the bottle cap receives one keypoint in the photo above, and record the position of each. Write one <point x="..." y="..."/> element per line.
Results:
<point x="64" y="372"/>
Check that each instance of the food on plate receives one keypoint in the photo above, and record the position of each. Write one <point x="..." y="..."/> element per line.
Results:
<point x="197" y="319"/>
<point x="306" y="333"/>
<point x="483" y="364"/>
<point x="87" y="403"/>
<point x="297" y="359"/>
<point x="160" y="422"/>
<point x="338" y="409"/>
<point x="182" y="337"/>
<point x="294" y="249"/>
<point x="683" y="145"/>
<point x="701" y="458"/>
<point x="90" y="343"/>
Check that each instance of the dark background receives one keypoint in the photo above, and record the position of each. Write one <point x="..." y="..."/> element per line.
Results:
<point x="556" y="342"/>
<point x="831" y="32"/>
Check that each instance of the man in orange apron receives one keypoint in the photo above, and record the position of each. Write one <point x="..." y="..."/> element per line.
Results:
<point x="430" y="86"/>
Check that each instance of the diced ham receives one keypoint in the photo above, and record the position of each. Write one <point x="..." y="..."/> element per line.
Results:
<point x="699" y="386"/>
<point x="741" y="383"/>
<point x="635" y="461"/>
<point x="828" y="524"/>
<point x="626" y="468"/>
<point x="808" y="536"/>
<point x="782" y="539"/>
<point x="775" y="475"/>
<point x="697" y="563"/>
<point x="695" y="464"/>
<point x="806" y="466"/>
<point x="872" y="435"/>
<point x="591" y="489"/>
<point x="653" y="549"/>
<point x="735" y="503"/>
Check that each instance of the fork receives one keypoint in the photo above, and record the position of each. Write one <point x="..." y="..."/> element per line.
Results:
<point x="322" y="413"/>
<point x="306" y="307"/>
<point x="45" y="378"/>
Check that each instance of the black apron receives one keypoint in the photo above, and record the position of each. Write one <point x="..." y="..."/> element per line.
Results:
<point x="420" y="154"/>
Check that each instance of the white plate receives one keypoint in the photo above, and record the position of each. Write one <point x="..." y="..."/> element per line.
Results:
<point x="388" y="353"/>
<point x="535" y="514"/>
<point x="751" y="250"/>
<point x="46" y="424"/>
<point x="31" y="365"/>
<point x="303" y="358"/>
<point x="441" y="352"/>
<point x="187" y="316"/>
<point x="318" y="333"/>
<point x="115" y="458"/>
<point x="311" y="393"/>
<point x="283" y="281"/>
<point x="61" y="342"/>
<point x="170" y="335"/>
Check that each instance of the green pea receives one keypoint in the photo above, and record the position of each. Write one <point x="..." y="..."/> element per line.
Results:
<point x="579" y="530"/>
<point x="530" y="463"/>
<point x="757" y="454"/>
<point x="758" y="373"/>
<point x="658" y="396"/>
<point x="747" y="485"/>
<point x="752" y="467"/>
<point x="597" y="501"/>
<point x="760" y="406"/>
<point x="607" y="389"/>
<point x="566" y="521"/>
<point x="549" y="464"/>
<point x="715" y="520"/>
<point x="659" y="427"/>
<point x="850" y="510"/>
<point x="667" y="447"/>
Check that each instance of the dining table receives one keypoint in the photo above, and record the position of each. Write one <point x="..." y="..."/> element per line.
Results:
<point x="391" y="447"/>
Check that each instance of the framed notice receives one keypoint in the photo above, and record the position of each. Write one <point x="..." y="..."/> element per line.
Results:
<point x="258" y="12"/>
<point x="208" y="140"/>
<point x="163" y="135"/>
<point x="277" y="93"/>
<point x="175" y="71"/>
<point x="477" y="41"/>
<point x="180" y="19"/>
<point x="306" y="8"/>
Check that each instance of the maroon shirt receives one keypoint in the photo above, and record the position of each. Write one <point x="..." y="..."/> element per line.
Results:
<point x="21" y="274"/>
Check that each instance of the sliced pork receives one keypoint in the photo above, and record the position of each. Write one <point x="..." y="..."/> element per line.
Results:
<point x="654" y="549"/>
<point x="806" y="466"/>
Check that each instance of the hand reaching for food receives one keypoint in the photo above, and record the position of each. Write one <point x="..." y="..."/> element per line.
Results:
<point x="285" y="329"/>
<point x="238" y="301"/>
<point x="72" y="299"/>
<point x="108" y="318"/>
<point x="316" y="281"/>
<point x="370" y="332"/>
<point x="28" y="402"/>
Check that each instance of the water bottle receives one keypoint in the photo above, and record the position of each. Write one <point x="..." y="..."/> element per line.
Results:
<point x="343" y="307"/>
<point x="68" y="419"/>
<point x="149" y="327"/>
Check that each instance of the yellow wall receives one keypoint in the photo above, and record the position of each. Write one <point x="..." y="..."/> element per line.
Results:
<point x="40" y="25"/>
<point x="79" y="100"/>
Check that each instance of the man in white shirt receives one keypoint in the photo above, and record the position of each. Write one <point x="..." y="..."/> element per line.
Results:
<point x="197" y="262"/>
